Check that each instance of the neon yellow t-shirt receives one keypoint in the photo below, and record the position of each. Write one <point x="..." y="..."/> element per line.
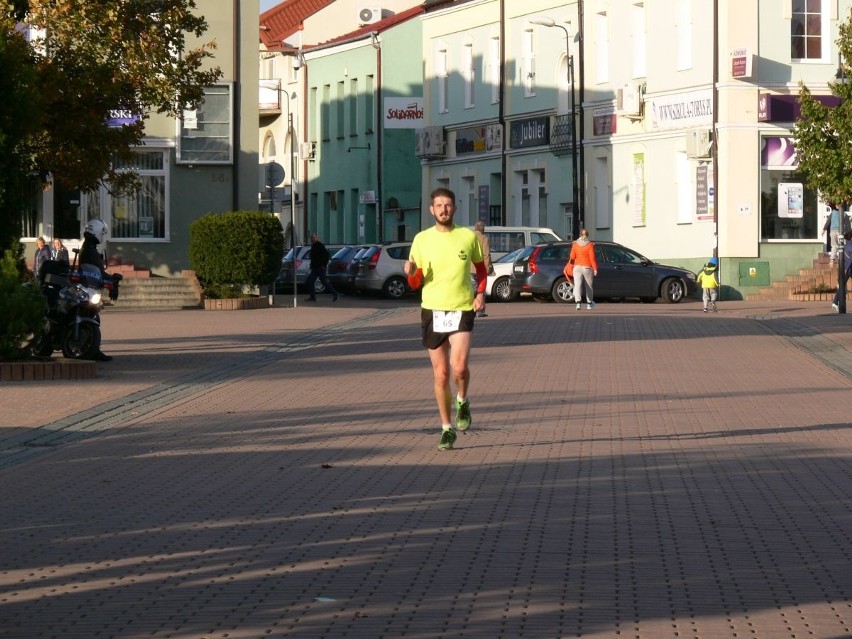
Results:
<point x="446" y="258"/>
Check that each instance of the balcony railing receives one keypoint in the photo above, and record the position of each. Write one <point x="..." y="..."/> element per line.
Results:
<point x="561" y="139"/>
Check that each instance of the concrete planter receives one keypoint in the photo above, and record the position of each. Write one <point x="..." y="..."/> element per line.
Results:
<point x="48" y="370"/>
<point x="236" y="304"/>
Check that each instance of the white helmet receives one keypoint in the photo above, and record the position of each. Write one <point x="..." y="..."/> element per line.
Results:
<point x="97" y="229"/>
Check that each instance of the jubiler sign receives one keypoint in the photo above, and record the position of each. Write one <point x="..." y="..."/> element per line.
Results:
<point x="532" y="132"/>
<point x="404" y="113"/>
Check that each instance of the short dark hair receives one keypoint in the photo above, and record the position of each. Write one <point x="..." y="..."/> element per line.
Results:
<point x="442" y="192"/>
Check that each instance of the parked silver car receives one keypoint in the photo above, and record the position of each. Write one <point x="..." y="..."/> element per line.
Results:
<point x="381" y="269"/>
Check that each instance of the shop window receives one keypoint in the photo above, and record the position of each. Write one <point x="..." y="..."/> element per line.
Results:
<point x="789" y="207"/>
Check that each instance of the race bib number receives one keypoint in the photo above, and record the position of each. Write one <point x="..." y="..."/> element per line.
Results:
<point x="446" y="321"/>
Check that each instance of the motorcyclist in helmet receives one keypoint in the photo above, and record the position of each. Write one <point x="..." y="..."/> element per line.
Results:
<point x="94" y="233"/>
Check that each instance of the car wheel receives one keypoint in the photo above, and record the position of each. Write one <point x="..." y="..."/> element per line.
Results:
<point x="538" y="297"/>
<point x="562" y="291"/>
<point x="501" y="292"/>
<point x="673" y="290"/>
<point x="395" y="287"/>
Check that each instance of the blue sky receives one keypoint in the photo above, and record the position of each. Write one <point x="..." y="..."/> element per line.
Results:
<point x="266" y="5"/>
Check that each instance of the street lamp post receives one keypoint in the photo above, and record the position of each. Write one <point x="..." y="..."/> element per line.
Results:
<point x="577" y="215"/>
<point x="291" y="135"/>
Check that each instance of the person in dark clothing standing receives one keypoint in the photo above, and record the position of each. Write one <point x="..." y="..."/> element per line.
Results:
<point x="42" y="255"/>
<point x="319" y="263"/>
<point x="58" y="253"/>
<point x="94" y="233"/>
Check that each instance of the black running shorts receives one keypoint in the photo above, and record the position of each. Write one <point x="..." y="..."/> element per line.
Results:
<point x="432" y="339"/>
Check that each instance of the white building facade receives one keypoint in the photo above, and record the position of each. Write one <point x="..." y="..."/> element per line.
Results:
<point x="685" y="111"/>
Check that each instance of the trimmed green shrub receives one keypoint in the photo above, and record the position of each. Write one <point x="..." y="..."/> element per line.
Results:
<point x="234" y="251"/>
<point x="22" y="307"/>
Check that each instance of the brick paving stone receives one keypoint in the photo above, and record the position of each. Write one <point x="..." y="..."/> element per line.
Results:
<point x="643" y="471"/>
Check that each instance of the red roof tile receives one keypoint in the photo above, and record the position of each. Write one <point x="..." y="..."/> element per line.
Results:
<point x="286" y="19"/>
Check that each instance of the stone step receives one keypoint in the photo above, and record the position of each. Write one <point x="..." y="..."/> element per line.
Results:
<point x="817" y="283"/>
<point x="138" y="293"/>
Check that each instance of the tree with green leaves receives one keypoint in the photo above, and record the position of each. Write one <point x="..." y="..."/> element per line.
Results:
<point x="65" y="65"/>
<point x="823" y="134"/>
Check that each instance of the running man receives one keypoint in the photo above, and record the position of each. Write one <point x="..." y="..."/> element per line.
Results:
<point x="440" y="260"/>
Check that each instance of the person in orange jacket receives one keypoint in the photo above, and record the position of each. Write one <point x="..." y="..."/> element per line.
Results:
<point x="583" y="267"/>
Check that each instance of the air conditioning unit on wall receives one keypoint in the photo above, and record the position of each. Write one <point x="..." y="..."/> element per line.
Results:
<point x="629" y="99"/>
<point x="699" y="143"/>
<point x="369" y="15"/>
<point x="429" y="142"/>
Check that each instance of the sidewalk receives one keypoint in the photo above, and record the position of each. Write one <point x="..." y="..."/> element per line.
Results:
<point x="636" y="470"/>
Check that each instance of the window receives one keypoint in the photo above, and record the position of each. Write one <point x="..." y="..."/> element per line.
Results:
<point x="494" y="69"/>
<point x="353" y="107"/>
<point x="640" y="44"/>
<point x="601" y="48"/>
<point x="140" y="215"/>
<point x="312" y="120"/>
<point x="779" y="181"/>
<point x="369" y="106"/>
<point x="269" y="146"/>
<point x="528" y="67"/>
<point x="468" y="74"/>
<point x="325" y="115"/>
<point x="206" y="133"/>
<point x="339" y="103"/>
<point x="683" y="34"/>
<point x="441" y="76"/>
<point x="809" y="30"/>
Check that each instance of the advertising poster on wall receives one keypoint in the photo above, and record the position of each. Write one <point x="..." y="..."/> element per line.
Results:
<point x="791" y="198"/>
<point x="638" y="189"/>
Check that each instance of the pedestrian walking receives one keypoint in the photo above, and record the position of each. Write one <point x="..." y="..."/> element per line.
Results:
<point x="319" y="264"/>
<point x="584" y="268"/>
<point x="847" y="271"/>
<point x="836" y="225"/>
<point x="708" y="280"/>
<point x="440" y="260"/>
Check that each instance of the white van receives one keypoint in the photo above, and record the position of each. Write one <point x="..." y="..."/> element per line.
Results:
<point x="505" y="239"/>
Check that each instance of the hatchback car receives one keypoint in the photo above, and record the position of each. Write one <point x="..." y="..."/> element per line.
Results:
<point x="497" y="288"/>
<point x="339" y="267"/>
<point x="622" y="273"/>
<point x="381" y="269"/>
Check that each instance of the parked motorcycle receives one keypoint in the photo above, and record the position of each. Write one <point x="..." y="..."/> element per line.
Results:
<point x="74" y="301"/>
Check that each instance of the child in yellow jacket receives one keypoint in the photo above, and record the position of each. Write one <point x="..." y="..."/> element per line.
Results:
<point x="708" y="280"/>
